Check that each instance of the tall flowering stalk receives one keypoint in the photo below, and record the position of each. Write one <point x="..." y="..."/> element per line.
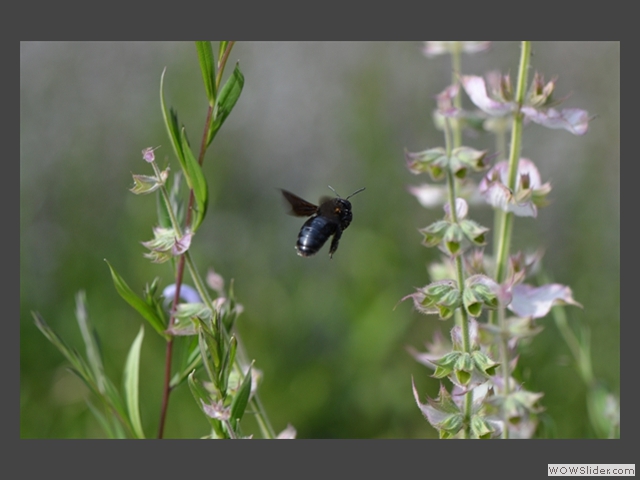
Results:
<point x="486" y="401"/>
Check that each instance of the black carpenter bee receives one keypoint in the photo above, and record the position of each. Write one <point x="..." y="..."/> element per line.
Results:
<point x="332" y="217"/>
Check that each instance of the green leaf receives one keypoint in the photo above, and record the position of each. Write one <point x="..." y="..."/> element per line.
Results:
<point x="208" y="350"/>
<point x="227" y="364"/>
<point x="131" y="383"/>
<point x="89" y="336"/>
<point x="196" y="181"/>
<point x="110" y="397"/>
<point x="194" y="360"/>
<point x="164" y="219"/>
<point x="114" y="400"/>
<point x="112" y="428"/>
<point x="171" y="122"/>
<point x="79" y="365"/>
<point x="229" y="94"/>
<point x="147" y="312"/>
<point x="207" y="66"/>
<point x="198" y="391"/>
<point x="222" y="46"/>
<point x="240" y="401"/>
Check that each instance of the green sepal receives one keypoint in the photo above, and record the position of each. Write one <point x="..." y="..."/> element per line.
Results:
<point x="433" y="161"/>
<point x="480" y="428"/>
<point x="446" y="364"/>
<point x="453" y="239"/>
<point x="445" y="312"/>
<point x="145" y="184"/>
<point x="451" y="425"/>
<point x="443" y="295"/>
<point x="484" y="363"/>
<point x="463" y="377"/>
<point x="467" y="157"/>
<point x="184" y="315"/>
<point x="202" y="396"/>
<point x="434" y="233"/>
<point x="474" y="232"/>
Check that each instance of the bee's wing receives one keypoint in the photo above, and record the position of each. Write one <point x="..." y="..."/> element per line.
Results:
<point x="299" y="207"/>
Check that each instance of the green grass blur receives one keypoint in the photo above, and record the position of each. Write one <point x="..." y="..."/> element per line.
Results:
<point x="324" y="333"/>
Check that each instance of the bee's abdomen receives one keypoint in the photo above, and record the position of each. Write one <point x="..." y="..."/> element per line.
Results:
<point x="313" y="235"/>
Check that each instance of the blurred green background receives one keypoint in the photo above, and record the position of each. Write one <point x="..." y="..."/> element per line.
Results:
<point x="324" y="333"/>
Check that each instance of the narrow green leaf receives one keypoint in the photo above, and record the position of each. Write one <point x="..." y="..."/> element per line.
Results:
<point x="89" y="336"/>
<point x="131" y="383"/>
<point x="192" y="360"/>
<point x="110" y="397"/>
<point x="227" y="363"/>
<point x="112" y="428"/>
<point x="171" y="122"/>
<point x="114" y="400"/>
<point x="208" y="351"/>
<point x="147" y="312"/>
<point x="196" y="181"/>
<point x="198" y="391"/>
<point x="222" y="46"/>
<point x="164" y="219"/>
<point x="227" y="98"/>
<point x="240" y="401"/>
<point x="207" y="66"/>
<point x="79" y="365"/>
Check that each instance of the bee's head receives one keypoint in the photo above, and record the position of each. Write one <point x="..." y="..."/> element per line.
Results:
<point x="342" y="208"/>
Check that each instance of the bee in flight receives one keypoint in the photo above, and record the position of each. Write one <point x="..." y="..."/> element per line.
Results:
<point x="331" y="217"/>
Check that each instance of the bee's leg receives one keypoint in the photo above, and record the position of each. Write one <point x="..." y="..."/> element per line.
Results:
<point x="334" y="242"/>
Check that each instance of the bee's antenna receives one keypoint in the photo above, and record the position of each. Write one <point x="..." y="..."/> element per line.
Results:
<point x="357" y="191"/>
<point x="334" y="191"/>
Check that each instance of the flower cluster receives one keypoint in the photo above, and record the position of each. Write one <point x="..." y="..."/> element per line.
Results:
<point x="477" y="289"/>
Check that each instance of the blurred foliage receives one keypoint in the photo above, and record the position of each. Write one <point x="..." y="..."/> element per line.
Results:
<point x="324" y="333"/>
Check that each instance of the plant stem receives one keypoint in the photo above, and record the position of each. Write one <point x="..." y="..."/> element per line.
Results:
<point x="456" y="68"/>
<point x="505" y="219"/>
<point x="464" y="318"/>
<point x="263" y="421"/>
<point x="506" y="225"/>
